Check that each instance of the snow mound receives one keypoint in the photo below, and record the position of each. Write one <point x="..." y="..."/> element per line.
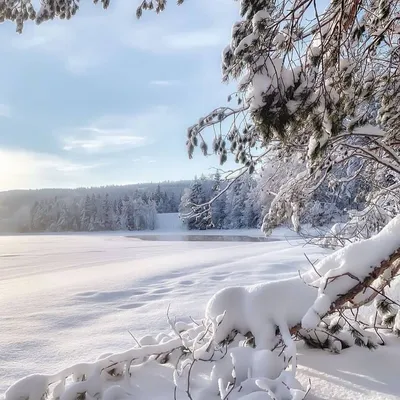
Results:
<point x="259" y="309"/>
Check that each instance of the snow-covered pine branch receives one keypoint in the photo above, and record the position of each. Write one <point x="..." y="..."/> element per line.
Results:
<point x="325" y="91"/>
<point x="20" y="11"/>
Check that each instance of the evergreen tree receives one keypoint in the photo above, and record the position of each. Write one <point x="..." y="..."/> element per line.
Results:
<point x="252" y="211"/>
<point x="197" y="197"/>
<point x="118" y="214"/>
<point x="128" y="214"/>
<point x="63" y="223"/>
<point x="90" y="209"/>
<point x="218" y="206"/>
<point x="94" y="218"/>
<point x="75" y="215"/>
<point x="145" y="197"/>
<point x="194" y="217"/>
<point x="86" y="213"/>
<point x="237" y="206"/>
<point x="33" y="216"/>
<point x="107" y="213"/>
<point x="173" y="201"/>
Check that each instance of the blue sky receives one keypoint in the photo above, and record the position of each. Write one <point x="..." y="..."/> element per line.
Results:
<point x="105" y="98"/>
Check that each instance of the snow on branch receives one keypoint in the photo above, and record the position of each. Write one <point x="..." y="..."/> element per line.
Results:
<point x="20" y="11"/>
<point x="348" y="275"/>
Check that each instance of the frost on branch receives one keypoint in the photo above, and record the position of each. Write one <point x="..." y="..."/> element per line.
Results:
<point x="298" y="78"/>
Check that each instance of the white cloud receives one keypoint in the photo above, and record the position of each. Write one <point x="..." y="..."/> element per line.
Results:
<point x="98" y="140"/>
<point x="117" y="133"/>
<point x="192" y="40"/>
<point x="74" y="43"/>
<point x="27" y="169"/>
<point x="144" y="160"/>
<point x="83" y="44"/>
<point x="164" y="83"/>
<point x="156" y="39"/>
<point x="45" y="37"/>
<point x="5" y="110"/>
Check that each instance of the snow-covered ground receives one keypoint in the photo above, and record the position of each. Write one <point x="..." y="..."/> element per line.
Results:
<point x="169" y="226"/>
<point x="65" y="299"/>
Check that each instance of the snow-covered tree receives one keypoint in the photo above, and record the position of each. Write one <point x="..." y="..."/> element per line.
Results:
<point x="64" y="220"/>
<point x="218" y="214"/>
<point x="81" y="205"/>
<point x="86" y="213"/>
<point x="252" y="209"/>
<point x="193" y="196"/>
<point x="173" y="204"/>
<point x="240" y="210"/>
<point x="235" y="198"/>
<point x="227" y="205"/>
<point x="107" y="222"/>
<point x="92" y="213"/>
<point x="308" y="78"/>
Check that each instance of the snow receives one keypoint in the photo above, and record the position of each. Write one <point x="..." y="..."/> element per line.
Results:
<point x="246" y="43"/>
<point x="357" y="259"/>
<point x="321" y="141"/>
<point x="369" y="130"/>
<point x="59" y="292"/>
<point x="248" y="308"/>
<point x="247" y="361"/>
<point x="169" y="227"/>
<point x="355" y="374"/>
<point x="66" y="299"/>
<point x="262" y="16"/>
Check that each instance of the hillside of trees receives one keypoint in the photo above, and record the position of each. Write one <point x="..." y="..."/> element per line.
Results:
<point x="247" y="200"/>
<point x="244" y="201"/>
<point x="234" y="208"/>
<point x="131" y="207"/>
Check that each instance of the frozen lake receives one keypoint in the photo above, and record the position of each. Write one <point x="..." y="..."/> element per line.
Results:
<point x="202" y="238"/>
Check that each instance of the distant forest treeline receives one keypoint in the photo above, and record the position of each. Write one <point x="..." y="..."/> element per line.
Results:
<point x="242" y="204"/>
<point x="130" y="207"/>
